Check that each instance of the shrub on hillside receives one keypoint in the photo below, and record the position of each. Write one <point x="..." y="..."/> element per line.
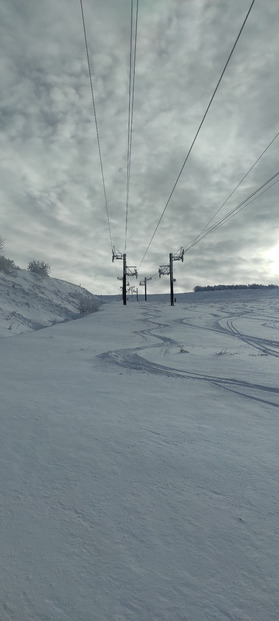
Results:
<point x="39" y="267"/>
<point x="1" y="243"/>
<point x="8" y="266"/>
<point x="88" y="305"/>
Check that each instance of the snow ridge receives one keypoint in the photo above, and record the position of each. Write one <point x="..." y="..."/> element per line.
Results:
<point x="30" y="302"/>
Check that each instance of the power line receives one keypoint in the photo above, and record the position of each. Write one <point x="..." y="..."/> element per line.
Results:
<point x="151" y="276"/>
<point x="253" y="199"/>
<point x="247" y="201"/>
<point x="96" y="123"/>
<point x="236" y="187"/>
<point x="233" y="211"/>
<point x="133" y="53"/>
<point x="198" y="130"/>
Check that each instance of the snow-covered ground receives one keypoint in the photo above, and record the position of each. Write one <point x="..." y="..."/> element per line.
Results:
<point x="139" y="463"/>
<point x="29" y="301"/>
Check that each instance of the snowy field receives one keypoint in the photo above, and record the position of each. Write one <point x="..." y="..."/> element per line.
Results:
<point x="139" y="463"/>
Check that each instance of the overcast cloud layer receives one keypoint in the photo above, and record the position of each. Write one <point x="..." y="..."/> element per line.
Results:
<point x="51" y="192"/>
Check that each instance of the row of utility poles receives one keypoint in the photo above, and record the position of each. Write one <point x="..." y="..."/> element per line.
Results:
<point x="131" y="270"/>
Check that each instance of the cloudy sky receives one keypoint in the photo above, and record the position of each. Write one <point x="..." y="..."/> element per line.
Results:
<point x="52" y="204"/>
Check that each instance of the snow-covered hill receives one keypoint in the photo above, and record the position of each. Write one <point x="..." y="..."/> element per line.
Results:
<point x="139" y="462"/>
<point x="29" y="301"/>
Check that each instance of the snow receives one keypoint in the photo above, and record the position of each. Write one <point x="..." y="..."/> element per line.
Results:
<point x="139" y="462"/>
<point x="29" y="301"/>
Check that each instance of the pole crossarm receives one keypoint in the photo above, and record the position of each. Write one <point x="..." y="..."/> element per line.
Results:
<point x="116" y="254"/>
<point x="131" y="270"/>
<point x="178" y="256"/>
<point x="164" y="270"/>
<point x="142" y="283"/>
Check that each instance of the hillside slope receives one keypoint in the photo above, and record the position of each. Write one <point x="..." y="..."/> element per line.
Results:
<point x="29" y="302"/>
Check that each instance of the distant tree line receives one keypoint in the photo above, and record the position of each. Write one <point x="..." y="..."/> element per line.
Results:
<point x="221" y="287"/>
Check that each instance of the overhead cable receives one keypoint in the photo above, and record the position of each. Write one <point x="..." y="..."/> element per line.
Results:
<point x="198" y="131"/>
<point x="234" y="190"/>
<point x="236" y="209"/>
<point x="248" y="202"/>
<point x="132" y="73"/>
<point x="96" y="123"/>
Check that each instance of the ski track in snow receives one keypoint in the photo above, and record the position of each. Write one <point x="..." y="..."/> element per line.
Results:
<point x="139" y="463"/>
<point x="133" y="358"/>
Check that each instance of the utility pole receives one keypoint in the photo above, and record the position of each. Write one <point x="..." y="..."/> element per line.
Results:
<point x="167" y="270"/>
<point x="132" y="289"/>
<point x="127" y="271"/>
<point x="124" y="291"/>
<point x="171" y="280"/>
<point x="127" y="284"/>
<point x="143" y="284"/>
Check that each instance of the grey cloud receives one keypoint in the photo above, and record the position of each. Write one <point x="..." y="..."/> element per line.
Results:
<point x="51" y="193"/>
